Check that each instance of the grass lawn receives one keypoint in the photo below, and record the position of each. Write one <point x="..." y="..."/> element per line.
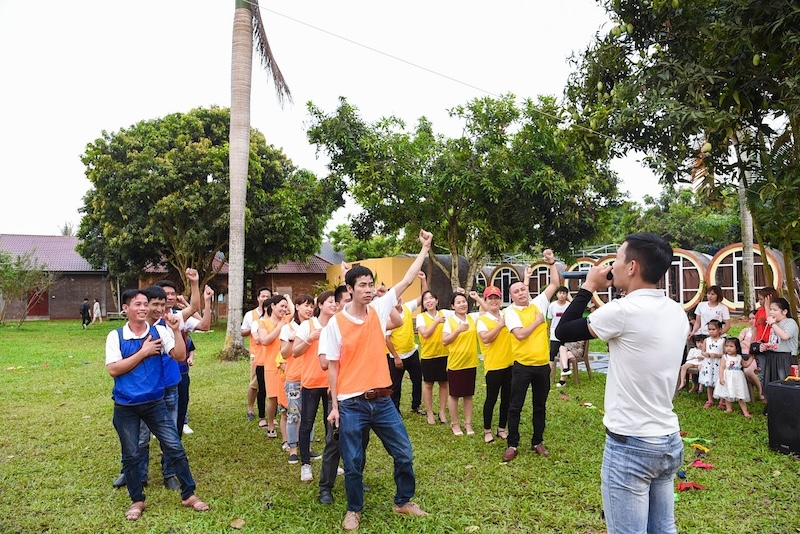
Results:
<point x="59" y="454"/>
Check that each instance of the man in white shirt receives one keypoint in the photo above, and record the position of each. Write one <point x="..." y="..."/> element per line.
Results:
<point x="646" y="332"/>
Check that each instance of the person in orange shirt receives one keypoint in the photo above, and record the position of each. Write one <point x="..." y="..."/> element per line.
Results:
<point x="303" y="311"/>
<point x="266" y="331"/>
<point x="359" y="381"/>
<point x="248" y="321"/>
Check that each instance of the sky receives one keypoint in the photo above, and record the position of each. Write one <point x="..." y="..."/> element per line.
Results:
<point x="72" y="70"/>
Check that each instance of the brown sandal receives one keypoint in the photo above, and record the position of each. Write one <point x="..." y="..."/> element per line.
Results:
<point x="196" y="504"/>
<point x="135" y="511"/>
<point x="487" y="436"/>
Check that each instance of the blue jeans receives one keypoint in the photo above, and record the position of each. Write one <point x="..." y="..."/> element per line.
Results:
<point x="171" y="402"/>
<point x="293" y="411"/>
<point x="636" y="483"/>
<point x="154" y="414"/>
<point x="355" y="416"/>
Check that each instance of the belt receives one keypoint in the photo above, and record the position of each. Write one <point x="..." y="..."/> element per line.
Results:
<point x="376" y="393"/>
<point x="617" y="437"/>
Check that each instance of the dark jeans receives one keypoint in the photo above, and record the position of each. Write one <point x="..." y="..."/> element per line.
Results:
<point x="412" y="365"/>
<point x="497" y="382"/>
<point x="183" y="401"/>
<point x="160" y="422"/>
<point x="357" y="415"/>
<point x="309" y="400"/>
<point x="538" y="378"/>
<point x="167" y="469"/>
<point x="261" y="395"/>
<point x="330" y="458"/>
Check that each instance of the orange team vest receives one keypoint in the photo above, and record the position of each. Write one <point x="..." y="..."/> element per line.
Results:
<point x="432" y="347"/>
<point x="268" y="352"/>
<point x="311" y="373"/>
<point x="535" y="349"/>
<point x="293" y="365"/>
<point x="464" y="349"/>
<point x="497" y="354"/>
<point x="403" y="337"/>
<point x="361" y="365"/>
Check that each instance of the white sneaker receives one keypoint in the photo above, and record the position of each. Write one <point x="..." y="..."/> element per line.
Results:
<point x="566" y="372"/>
<point x="340" y="471"/>
<point x="187" y="430"/>
<point x="305" y="473"/>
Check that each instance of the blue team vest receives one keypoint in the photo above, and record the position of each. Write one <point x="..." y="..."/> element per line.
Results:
<point x="144" y="383"/>
<point x="172" y="370"/>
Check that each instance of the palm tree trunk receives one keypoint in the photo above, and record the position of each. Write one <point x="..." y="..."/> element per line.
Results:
<point x="241" y="76"/>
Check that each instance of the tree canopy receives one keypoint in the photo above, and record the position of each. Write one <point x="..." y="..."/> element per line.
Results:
<point x="160" y="196"/>
<point x="513" y="180"/>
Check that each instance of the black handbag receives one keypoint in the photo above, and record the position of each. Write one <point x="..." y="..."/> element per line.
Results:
<point x="755" y="347"/>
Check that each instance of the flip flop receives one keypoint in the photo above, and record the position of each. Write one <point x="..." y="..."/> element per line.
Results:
<point x="196" y="504"/>
<point x="262" y="423"/>
<point x="135" y="511"/>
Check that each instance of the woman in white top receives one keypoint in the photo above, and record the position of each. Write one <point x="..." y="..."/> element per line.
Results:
<point x="711" y="308"/>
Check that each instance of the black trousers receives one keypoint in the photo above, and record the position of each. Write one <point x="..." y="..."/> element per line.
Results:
<point x="538" y="379"/>
<point x="412" y="365"/>
<point x="498" y="382"/>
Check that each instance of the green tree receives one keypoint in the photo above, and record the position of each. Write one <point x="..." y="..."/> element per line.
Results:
<point x="248" y="30"/>
<point x="343" y="239"/>
<point x="703" y="87"/>
<point x="513" y="179"/>
<point x="160" y="196"/>
<point x="22" y="279"/>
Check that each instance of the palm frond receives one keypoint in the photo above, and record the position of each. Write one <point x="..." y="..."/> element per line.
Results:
<point x="282" y="91"/>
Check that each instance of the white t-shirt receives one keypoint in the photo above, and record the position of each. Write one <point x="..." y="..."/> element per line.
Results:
<point x="512" y="317"/>
<point x="302" y="331"/>
<point x="554" y="312"/>
<point x="446" y="327"/>
<point x="480" y="326"/>
<point x="646" y="333"/>
<point x="113" y="354"/>
<point x="382" y="306"/>
<point x="720" y="312"/>
<point x="287" y="330"/>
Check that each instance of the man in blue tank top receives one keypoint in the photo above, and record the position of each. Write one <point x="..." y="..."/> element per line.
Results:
<point x="134" y="359"/>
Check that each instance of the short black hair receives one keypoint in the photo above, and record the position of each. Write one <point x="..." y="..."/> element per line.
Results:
<point x="337" y="295"/>
<point x="167" y="283"/>
<point x="155" y="292"/>
<point x="357" y="272"/>
<point x="128" y="294"/>
<point x="562" y="288"/>
<point x="651" y="252"/>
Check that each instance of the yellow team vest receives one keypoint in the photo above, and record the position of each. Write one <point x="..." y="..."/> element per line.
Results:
<point x="432" y="347"/>
<point x="497" y="354"/>
<point x="403" y="337"/>
<point x="464" y="349"/>
<point x="535" y="349"/>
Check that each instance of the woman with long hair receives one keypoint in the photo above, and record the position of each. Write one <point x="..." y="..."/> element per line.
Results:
<point x="779" y="360"/>
<point x="276" y="314"/>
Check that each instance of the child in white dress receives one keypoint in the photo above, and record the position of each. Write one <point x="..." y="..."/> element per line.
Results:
<point x="732" y="382"/>
<point x="694" y="359"/>
<point x="712" y="355"/>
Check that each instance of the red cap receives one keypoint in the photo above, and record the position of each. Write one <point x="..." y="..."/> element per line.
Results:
<point x="492" y="290"/>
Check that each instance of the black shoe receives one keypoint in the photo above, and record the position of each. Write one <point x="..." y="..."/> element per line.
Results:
<point x="172" y="483"/>
<point x="120" y="482"/>
<point x="325" y="497"/>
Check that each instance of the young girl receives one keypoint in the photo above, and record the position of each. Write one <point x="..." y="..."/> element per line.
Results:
<point x="746" y="337"/>
<point x="694" y="359"/>
<point x="711" y="356"/>
<point x="732" y="383"/>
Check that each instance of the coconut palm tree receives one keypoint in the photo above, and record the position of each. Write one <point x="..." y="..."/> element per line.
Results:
<point x="247" y="28"/>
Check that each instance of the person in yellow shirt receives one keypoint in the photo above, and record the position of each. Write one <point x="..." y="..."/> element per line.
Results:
<point x="404" y="352"/>
<point x="460" y="336"/>
<point x="531" y="349"/>
<point x="498" y="361"/>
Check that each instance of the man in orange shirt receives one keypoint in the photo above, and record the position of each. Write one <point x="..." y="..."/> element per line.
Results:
<point x="360" y="386"/>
